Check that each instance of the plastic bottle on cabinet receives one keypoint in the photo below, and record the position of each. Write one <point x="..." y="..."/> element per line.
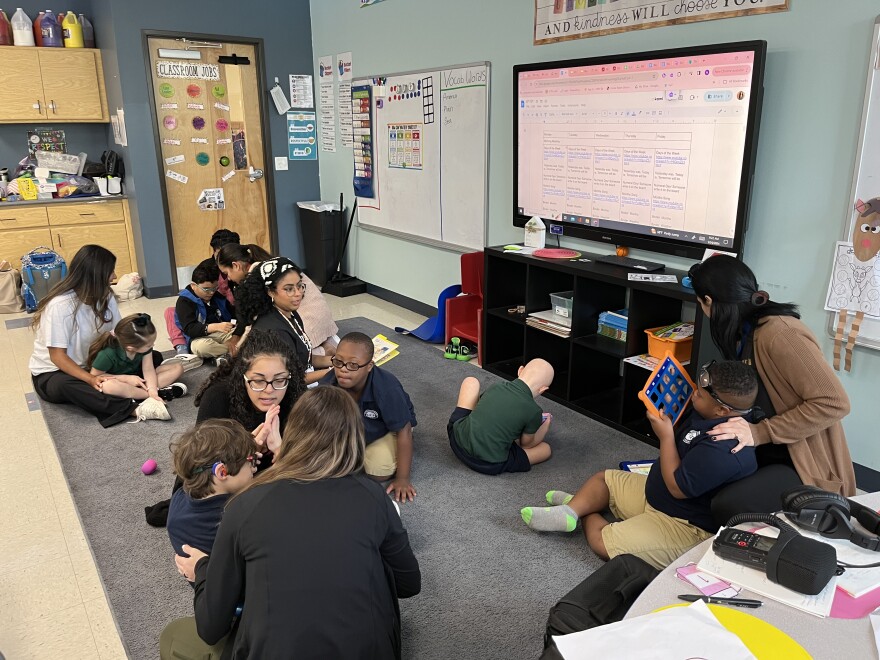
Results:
<point x="38" y="33"/>
<point x="5" y="30"/>
<point x="73" y="32"/>
<point x="88" y="32"/>
<point x="22" y="29"/>
<point x="51" y="31"/>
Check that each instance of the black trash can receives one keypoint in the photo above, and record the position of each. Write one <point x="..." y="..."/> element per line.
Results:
<point x="322" y="235"/>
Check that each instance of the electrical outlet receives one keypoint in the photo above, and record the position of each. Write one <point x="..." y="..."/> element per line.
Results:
<point x="280" y="163"/>
<point x="556" y="229"/>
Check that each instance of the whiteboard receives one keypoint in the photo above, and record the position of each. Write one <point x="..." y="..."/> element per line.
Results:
<point x="431" y="156"/>
<point x="866" y="176"/>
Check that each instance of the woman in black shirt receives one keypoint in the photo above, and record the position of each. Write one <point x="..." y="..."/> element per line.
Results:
<point x="268" y="299"/>
<point x="313" y="553"/>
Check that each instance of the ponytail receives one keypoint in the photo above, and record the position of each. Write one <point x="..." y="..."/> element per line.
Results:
<point x="108" y="339"/>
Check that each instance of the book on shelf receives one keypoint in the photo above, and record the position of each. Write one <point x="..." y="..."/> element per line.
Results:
<point x="549" y="326"/>
<point x="552" y="317"/>
<point x="647" y="361"/>
<point x="383" y="350"/>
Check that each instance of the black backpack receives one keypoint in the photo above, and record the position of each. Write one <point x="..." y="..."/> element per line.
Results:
<point x="603" y="597"/>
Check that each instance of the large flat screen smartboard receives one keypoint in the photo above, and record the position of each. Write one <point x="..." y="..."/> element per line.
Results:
<point x="430" y="158"/>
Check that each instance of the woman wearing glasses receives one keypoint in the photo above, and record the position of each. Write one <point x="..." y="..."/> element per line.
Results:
<point x="269" y="299"/>
<point x="257" y="388"/>
<point x="801" y="438"/>
<point x="310" y="559"/>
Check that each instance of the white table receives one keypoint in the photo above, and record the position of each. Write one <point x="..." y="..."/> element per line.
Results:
<point x="849" y="639"/>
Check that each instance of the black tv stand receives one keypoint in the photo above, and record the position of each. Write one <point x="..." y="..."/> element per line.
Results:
<point x="630" y="264"/>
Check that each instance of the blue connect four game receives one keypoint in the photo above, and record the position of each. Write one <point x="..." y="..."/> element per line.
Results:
<point x="668" y="389"/>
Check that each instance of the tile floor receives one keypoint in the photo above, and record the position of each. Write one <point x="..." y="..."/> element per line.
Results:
<point x="52" y="600"/>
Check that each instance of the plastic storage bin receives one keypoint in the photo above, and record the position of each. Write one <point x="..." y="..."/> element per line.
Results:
<point x="657" y="346"/>
<point x="561" y="303"/>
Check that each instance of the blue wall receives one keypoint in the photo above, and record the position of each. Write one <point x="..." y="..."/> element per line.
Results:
<point x="287" y="49"/>
<point x="815" y="79"/>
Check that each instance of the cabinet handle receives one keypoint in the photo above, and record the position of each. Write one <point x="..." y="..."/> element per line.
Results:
<point x="60" y="244"/>
<point x="8" y="219"/>
<point x="85" y="214"/>
<point x="53" y="106"/>
<point x="37" y="106"/>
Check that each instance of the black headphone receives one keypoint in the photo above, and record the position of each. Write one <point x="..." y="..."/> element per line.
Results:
<point x="829" y="514"/>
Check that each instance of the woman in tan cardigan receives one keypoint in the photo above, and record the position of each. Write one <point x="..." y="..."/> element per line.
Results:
<point x="801" y="439"/>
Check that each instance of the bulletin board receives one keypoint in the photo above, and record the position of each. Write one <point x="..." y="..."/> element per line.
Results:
<point x="866" y="186"/>
<point x="430" y="156"/>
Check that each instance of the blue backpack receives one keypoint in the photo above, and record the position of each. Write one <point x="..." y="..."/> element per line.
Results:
<point x="41" y="269"/>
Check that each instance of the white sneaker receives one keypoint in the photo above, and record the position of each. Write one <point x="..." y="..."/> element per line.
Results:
<point x="188" y="360"/>
<point x="151" y="409"/>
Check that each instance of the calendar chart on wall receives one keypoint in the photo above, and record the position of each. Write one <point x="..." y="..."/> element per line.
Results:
<point x="429" y="166"/>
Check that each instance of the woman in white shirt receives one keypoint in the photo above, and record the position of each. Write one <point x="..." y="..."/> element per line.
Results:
<point x="75" y="312"/>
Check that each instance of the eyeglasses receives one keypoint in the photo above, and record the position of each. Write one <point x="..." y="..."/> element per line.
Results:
<point x="290" y="288"/>
<point x="351" y="366"/>
<point x="258" y="384"/>
<point x="705" y="381"/>
<point x="141" y="320"/>
<point x="204" y="468"/>
<point x="208" y="289"/>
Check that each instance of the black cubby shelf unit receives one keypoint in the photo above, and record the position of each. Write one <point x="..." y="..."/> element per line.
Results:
<point x="591" y="375"/>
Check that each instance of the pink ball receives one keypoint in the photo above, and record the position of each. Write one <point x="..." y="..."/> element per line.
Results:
<point x="149" y="467"/>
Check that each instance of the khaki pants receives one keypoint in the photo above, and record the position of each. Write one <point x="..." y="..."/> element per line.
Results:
<point x="180" y="641"/>
<point x="212" y="346"/>
<point x="649" y="534"/>
<point x="380" y="459"/>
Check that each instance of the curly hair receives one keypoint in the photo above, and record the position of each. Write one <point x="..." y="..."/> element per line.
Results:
<point x="259" y="343"/>
<point x="252" y="298"/>
<point x="735" y="381"/>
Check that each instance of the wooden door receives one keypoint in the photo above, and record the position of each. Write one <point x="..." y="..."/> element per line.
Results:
<point x="113" y="236"/>
<point x="15" y="244"/>
<point x="210" y="135"/>
<point x="72" y="84"/>
<point x="21" y="89"/>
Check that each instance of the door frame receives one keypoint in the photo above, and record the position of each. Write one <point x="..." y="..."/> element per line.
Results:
<point x="268" y="165"/>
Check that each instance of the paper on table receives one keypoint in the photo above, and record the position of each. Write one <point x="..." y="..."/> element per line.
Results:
<point x="679" y="632"/>
<point x="754" y="580"/>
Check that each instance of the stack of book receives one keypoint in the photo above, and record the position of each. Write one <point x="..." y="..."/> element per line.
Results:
<point x="613" y="324"/>
<point x="550" y="322"/>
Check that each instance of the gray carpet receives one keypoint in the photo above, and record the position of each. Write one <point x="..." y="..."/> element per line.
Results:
<point x="487" y="580"/>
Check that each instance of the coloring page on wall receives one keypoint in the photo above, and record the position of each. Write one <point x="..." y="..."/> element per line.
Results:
<point x="855" y="284"/>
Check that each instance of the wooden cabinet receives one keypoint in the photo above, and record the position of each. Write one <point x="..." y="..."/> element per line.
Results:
<point x="57" y="84"/>
<point x="591" y="374"/>
<point x="65" y="227"/>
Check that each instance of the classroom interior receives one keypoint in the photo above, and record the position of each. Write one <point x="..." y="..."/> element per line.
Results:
<point x="52" y="603"/>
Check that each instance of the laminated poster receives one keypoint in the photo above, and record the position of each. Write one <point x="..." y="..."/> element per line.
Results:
<point x="302" y="136"/>
<point x="211" y="199"/>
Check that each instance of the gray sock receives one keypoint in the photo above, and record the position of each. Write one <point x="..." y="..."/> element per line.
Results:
<point x="557" y="497"/>
<point x="550" y="518"/>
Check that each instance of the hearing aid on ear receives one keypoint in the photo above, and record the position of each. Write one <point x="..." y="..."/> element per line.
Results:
<point x="219" y="470"/>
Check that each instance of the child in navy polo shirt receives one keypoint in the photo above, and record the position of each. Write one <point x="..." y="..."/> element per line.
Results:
<point x="203" y="314"/>
<point x="386" y="410"/>
<point x="667" y="512"/>
<point x="215" y="460"/>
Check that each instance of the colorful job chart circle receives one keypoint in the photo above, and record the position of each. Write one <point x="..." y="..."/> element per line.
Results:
<point x="194" y="90"/>
<point x="218" y="91"/>
<point x="202" y="158"/>
<point x="198" y="123"/>
<point x="169" y="122"/>
<point x="221" y="125"/>
<point x="166" y="90"/>
<point x="224" y="160"/>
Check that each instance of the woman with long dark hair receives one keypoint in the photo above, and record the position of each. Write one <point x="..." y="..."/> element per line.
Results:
<point x="269" y="298"/>
<point x="801" y="438"/>
<point x="263" y="376"/>
<point x="236" y="261"/>
<point x="78" y="310"/>
<point x="310" y="559"/>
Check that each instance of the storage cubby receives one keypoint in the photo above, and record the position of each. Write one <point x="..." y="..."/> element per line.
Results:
<point x="591" y="375"/>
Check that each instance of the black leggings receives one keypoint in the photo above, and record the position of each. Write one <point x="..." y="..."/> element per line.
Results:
<point x="758" y="493"/>
<point x="58" y="387"/>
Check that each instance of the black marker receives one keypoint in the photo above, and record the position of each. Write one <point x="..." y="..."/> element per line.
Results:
<point x="736" y="602"/>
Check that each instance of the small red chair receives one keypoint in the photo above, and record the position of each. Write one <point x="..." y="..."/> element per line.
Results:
<point x="464" y="313"/>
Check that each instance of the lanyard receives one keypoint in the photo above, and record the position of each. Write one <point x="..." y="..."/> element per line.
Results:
<point x="300" y="332"/>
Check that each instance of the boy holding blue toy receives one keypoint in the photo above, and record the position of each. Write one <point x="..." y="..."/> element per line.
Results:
<point x="667" y="512"/>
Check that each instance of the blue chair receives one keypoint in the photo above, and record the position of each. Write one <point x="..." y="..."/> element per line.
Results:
<point x="434" y="329"/>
